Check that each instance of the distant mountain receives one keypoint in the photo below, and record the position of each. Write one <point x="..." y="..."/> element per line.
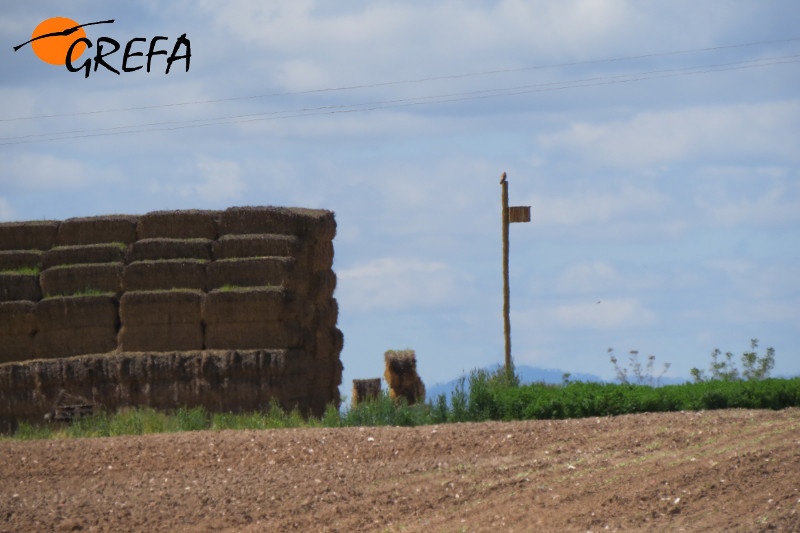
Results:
<point x="530" y="374"/>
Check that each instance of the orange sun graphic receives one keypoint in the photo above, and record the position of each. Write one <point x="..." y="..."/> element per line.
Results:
<point x="54" y="49"/>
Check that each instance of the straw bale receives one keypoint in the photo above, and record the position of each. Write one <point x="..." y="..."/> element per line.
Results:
<point x="163" y="248"/>
<point x="72" y="279"/>
<point x="366" y="389"/>
<point x="19" y="287"/>
<point x="290" y="221"/>
<point x="252" y="335"/>
<point x="401" y="375"/>
<point x="83" y="254"/>
<point x="165" y="275"/>
<point x="64" y="342"/>
<point x="17" y="327"/>
<point x="15" y="348"/>
<point x="318" y="286"/>
<point x="160" y="337"/>
<point x="16" y="259"/>
<point x="17" y="318"/>
<point x="247" y="305"/>
<point x="76" y="325"/>
<point x="259" y="245"/>
<point x="161" y="307"/>
<point x="188" y="224"/>
<point x="252" y="272"/>
<point x="95" y="230"/>
<point x="317" y="255"/>
<point x="220" y="381"/>
<point x="76" y="312"/>
<point x="326" y="314"/>
<point x="35" y="235"/>
<point x="329" y="343"/>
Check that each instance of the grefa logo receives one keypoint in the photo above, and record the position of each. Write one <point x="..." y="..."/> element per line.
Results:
<point x="62" y="41"/>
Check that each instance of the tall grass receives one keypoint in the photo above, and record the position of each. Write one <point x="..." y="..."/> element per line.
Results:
<point x="491" y="395"/>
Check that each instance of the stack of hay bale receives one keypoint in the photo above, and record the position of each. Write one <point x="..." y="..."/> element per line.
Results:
<point x="252" y="281"/>
<point x="401" y="375"/>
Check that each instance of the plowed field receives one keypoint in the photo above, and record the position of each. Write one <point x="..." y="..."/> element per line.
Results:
<point x="735" y="470"/>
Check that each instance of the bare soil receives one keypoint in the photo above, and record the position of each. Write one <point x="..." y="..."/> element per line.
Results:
<point x="734" y="470"/>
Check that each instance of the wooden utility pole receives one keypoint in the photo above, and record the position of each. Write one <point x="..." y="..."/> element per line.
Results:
<point x="510" y="214"/>
<point x="506" y="287"/>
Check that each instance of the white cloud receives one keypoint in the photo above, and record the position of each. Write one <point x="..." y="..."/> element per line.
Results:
<point x="757" y="281"/>
<point x="221" y="180"/>
<point x="334" y="45"/>
<point x="776" y="206"/>
<point x="7" y="211"/>
<point x="605" y="314"/>
<point x="653" y="138"/>
<point x="594" y="207"/>
<point x="35" y="171"/>
<point x="398" y="283"/>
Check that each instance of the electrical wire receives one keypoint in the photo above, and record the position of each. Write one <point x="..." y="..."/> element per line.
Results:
<point x="412" y="81"/>
<point x="401" y="102"/>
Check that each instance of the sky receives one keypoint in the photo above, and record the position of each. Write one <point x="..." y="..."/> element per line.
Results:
<point x="656" y="143"/>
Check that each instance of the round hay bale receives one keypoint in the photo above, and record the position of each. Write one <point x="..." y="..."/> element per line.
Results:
<point x="19" y="259"/>
<point x="83" y="254"/>
<point x="95" y="230"/>
<point x="163" y="248"/>
<point x="188" y="224"/>
<point x="74" y="279"/>
<point x="259" y="245"/>
<point x="34" y="235"/>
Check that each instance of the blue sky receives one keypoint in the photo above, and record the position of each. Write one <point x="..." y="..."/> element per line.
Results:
<point x="655" y="142"/>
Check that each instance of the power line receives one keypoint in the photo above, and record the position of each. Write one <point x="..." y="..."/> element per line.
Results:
<point x="400" y="102"/>
<point x="411" y="81"/>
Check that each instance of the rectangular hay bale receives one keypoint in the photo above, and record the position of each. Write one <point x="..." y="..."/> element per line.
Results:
<point x="163" y="248"/>
<point x="67" y="342"/>
<point x="290" y="221"/>
<point x="254" y="335"/>
<point x="259" y="245"/>
<point x="19" y="287"/>
<point x="17" y="327"/>
<point x="34" y="235"/>
<point x="251" y="272"/>
<point x="83" y="254"/>
<point x="18" y="259"/>
<point x="165" y="275"/>
<point x="161" y="307"/>
<point x="188" y="224"/>
<point x="75" y="326"/>
<point x="74" y="279"/>
<point x="76" y="312"/>
<point x="247" y="305"/>
<point x="160" y="337"/>
<point x="96" y="230"/>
